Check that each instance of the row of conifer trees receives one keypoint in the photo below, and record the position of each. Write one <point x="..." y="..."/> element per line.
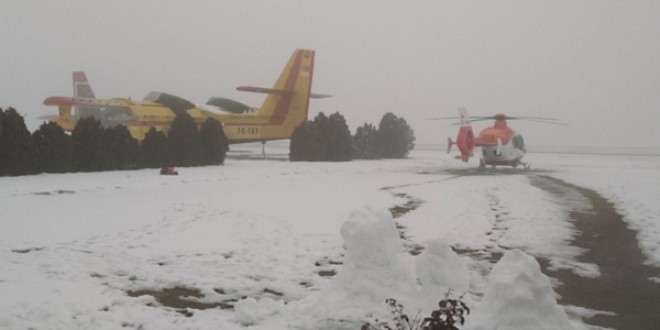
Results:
<point x="91" y="147"/>
<point x="329" y="139"/>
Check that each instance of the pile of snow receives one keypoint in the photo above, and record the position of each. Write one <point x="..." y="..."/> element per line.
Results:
<point x="376" y="267"/>
<point x="375" y="258"/>
<point x="519" y="297"/>
<point x="250" y="311"/>
<point x="439" y="269"/>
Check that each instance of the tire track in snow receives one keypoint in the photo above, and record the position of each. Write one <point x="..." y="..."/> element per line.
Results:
<point x="624" y="286"/>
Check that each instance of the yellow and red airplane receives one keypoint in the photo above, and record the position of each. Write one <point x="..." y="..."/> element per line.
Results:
<point x="285" y="107"/>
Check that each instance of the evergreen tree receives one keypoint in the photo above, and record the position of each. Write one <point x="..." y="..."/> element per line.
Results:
<point x="91" y="148"/>
<point x="364" y="142"/>
<point x="214" y="142"/>
<point x="321" y="151"/>
<point x="53" y="149"/>
<point x="395" y="138"/>
<point x="16" y="145"/>
<point x="185" y="143"/>
<point x="155" y="148"/>
<point x="324" y="139"/>
<point x="126" y="152"/>
<point x="304" y="143"/>
<point x="338" y="137"/>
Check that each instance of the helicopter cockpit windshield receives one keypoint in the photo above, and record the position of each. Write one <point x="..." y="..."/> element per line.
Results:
<point x="518" y="142"/>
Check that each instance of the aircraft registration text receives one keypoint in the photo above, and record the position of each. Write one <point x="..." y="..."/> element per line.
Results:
<point x="248" y="131"/>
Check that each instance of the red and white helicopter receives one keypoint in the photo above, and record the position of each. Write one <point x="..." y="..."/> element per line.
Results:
<point x="500" y="145"/>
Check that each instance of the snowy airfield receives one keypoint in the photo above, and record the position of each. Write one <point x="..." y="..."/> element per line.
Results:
<point x="138" y="250"/>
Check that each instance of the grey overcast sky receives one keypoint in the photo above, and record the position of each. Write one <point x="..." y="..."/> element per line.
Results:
<point x="593" y="64"/>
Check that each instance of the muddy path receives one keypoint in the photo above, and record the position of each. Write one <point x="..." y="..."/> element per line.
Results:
<point x="624" y="286"/>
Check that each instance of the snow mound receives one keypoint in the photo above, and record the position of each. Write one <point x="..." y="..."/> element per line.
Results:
<point x="439" y="269"/>
<point x="250" y="311"/>
<point x="375" y="265"/>
<point x="519" y="297"/>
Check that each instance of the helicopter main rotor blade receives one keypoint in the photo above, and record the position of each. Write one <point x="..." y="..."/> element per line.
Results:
<point x="441" y="118"/>
<point x="527" y="117"/>
<point x="455" y="117"/>
<point x="532" y="120"/>
<point x="545" y="122"/>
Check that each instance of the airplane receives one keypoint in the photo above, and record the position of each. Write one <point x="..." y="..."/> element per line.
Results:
<point x="500" y="145"/>
<point x="285" y="107"/>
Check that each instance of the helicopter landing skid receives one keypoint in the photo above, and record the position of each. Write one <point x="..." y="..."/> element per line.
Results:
<point x="525" y="166"/>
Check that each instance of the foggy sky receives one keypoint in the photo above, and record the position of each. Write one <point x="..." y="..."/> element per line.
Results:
<point x="593" y="64"/>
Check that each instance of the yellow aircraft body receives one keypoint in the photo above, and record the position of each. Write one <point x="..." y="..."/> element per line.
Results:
<point x="285" y="107"/>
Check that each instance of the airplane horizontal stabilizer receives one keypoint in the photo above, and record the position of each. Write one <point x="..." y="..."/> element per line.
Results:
<point x="318" y="96"/>
<point x="265" y="90"/>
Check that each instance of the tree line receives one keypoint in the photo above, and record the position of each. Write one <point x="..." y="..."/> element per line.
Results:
<point x="91" y="147"/>
<point x="329" y="139"/>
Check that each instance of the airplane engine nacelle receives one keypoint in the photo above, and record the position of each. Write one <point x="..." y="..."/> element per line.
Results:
<point x="465" y="142"/>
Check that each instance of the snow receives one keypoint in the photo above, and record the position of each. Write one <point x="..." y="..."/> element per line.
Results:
<point x="375" y="258"/>
<point x="519" y="297"/>
<point x="439" y="269"/>
<point x="631" y="182"/>
<point x="249" y="311"/>
<point x="74" y="245"/>
<point x="375" y="268"/>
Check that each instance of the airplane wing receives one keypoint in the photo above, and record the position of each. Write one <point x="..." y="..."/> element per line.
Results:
<point x="49" y="117"/>
<point x="228" y="105"/>
<point x="81" y="101"/>
<point x="109" y="111"/>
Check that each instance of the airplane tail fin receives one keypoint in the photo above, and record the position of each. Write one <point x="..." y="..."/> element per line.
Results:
<point x="287" y="102"/>
<point x="82" y="88"/>
<point x="465" y="139"/>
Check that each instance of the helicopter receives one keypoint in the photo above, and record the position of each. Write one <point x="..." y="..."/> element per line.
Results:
<point x="500" y="145"/>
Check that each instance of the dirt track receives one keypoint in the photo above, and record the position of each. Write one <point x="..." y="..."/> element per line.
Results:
<point x="624" y="286"/>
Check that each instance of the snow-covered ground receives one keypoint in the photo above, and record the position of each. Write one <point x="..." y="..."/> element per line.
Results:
<point x="73" y="246"/>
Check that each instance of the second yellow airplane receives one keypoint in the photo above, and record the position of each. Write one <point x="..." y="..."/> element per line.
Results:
<point x="285" y="107"/>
